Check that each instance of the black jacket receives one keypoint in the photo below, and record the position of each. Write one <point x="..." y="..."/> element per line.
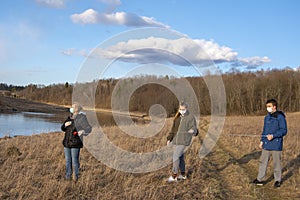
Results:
<point x="72" y="139"/>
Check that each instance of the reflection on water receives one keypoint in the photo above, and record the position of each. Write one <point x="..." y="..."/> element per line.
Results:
<point x="28" y="123"/>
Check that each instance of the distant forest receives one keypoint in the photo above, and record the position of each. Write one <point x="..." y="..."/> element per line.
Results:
<point x="11" y="88"/>
<point x="246" y="93"/>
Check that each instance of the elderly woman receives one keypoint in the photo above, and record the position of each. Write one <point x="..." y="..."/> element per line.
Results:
<point x="75" y="126"/>
<point x="184" y="127"/>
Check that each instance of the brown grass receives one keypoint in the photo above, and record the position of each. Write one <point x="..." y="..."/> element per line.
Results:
<point x="246" y="154"/>
<point x="33" y="167"/>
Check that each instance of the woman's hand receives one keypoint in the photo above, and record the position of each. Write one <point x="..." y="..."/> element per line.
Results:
<point x="81" y="132"/>
<point x="68" y="123"/>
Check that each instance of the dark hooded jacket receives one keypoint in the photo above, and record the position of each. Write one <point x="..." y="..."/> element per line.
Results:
<point x="274" y="124"/>
<point x="72" y="139"/>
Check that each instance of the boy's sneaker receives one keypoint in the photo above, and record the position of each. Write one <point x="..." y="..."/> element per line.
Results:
<point x="257" y="182"/>
<point x="172" y="179"/>
<point x="277" y="184"/>
<point x="181" y="177"/>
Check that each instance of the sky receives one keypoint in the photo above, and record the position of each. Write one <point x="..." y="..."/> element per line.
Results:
<point x="48" y="41"/>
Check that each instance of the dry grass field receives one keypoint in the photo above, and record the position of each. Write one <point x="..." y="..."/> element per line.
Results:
<point x="244" y="153"/>
<point x="33" y="167"/>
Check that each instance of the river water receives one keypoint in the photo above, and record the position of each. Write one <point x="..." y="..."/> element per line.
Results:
<point x="29" y="123"/>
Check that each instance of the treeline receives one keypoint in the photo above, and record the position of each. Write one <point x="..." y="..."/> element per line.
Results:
<point x="246" y="92"/>
<point x="11" y="88"/>
<point x="60" y="94"/>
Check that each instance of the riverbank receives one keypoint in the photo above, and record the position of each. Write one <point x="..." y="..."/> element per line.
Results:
<point x="11" y="105"/>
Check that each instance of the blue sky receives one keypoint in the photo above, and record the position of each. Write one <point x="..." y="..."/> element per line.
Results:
<point x="47" y="41"/>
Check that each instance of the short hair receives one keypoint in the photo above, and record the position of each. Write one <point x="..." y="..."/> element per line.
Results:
<point x="182" y="103"/>
<point x="272" y="101"/>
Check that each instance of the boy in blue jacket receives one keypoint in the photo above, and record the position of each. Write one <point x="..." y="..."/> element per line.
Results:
<point x="271" y="142"/>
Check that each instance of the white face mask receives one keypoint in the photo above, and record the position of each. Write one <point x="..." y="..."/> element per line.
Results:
<point x="269" y="109"/>
<point x="182" y="112"/>
<point x="72" y="110"/>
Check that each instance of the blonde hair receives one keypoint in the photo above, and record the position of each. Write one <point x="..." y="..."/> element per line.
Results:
<point x="177" y="115"/>
<point x="77" y="107"/>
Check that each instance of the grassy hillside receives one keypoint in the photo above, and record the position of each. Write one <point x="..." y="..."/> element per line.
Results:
<point x="33" y="167"/>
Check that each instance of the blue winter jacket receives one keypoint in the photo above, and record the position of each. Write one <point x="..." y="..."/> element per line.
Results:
<point x="274" y="124"/>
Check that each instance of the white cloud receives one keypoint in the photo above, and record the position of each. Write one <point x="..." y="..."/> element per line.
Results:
<point x="216" y="52"/>
<point x="91" y="16"/>
<point x="253" y="62"/>
<point x="161" y="50"/>
<point x="52" y="3"/>
<point x="179" y="52"/>
<point x="183" y="51"/>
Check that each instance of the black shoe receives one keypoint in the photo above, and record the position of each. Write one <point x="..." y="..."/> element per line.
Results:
<point x="277" y="184"/>
<point x="257" y="182"/>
